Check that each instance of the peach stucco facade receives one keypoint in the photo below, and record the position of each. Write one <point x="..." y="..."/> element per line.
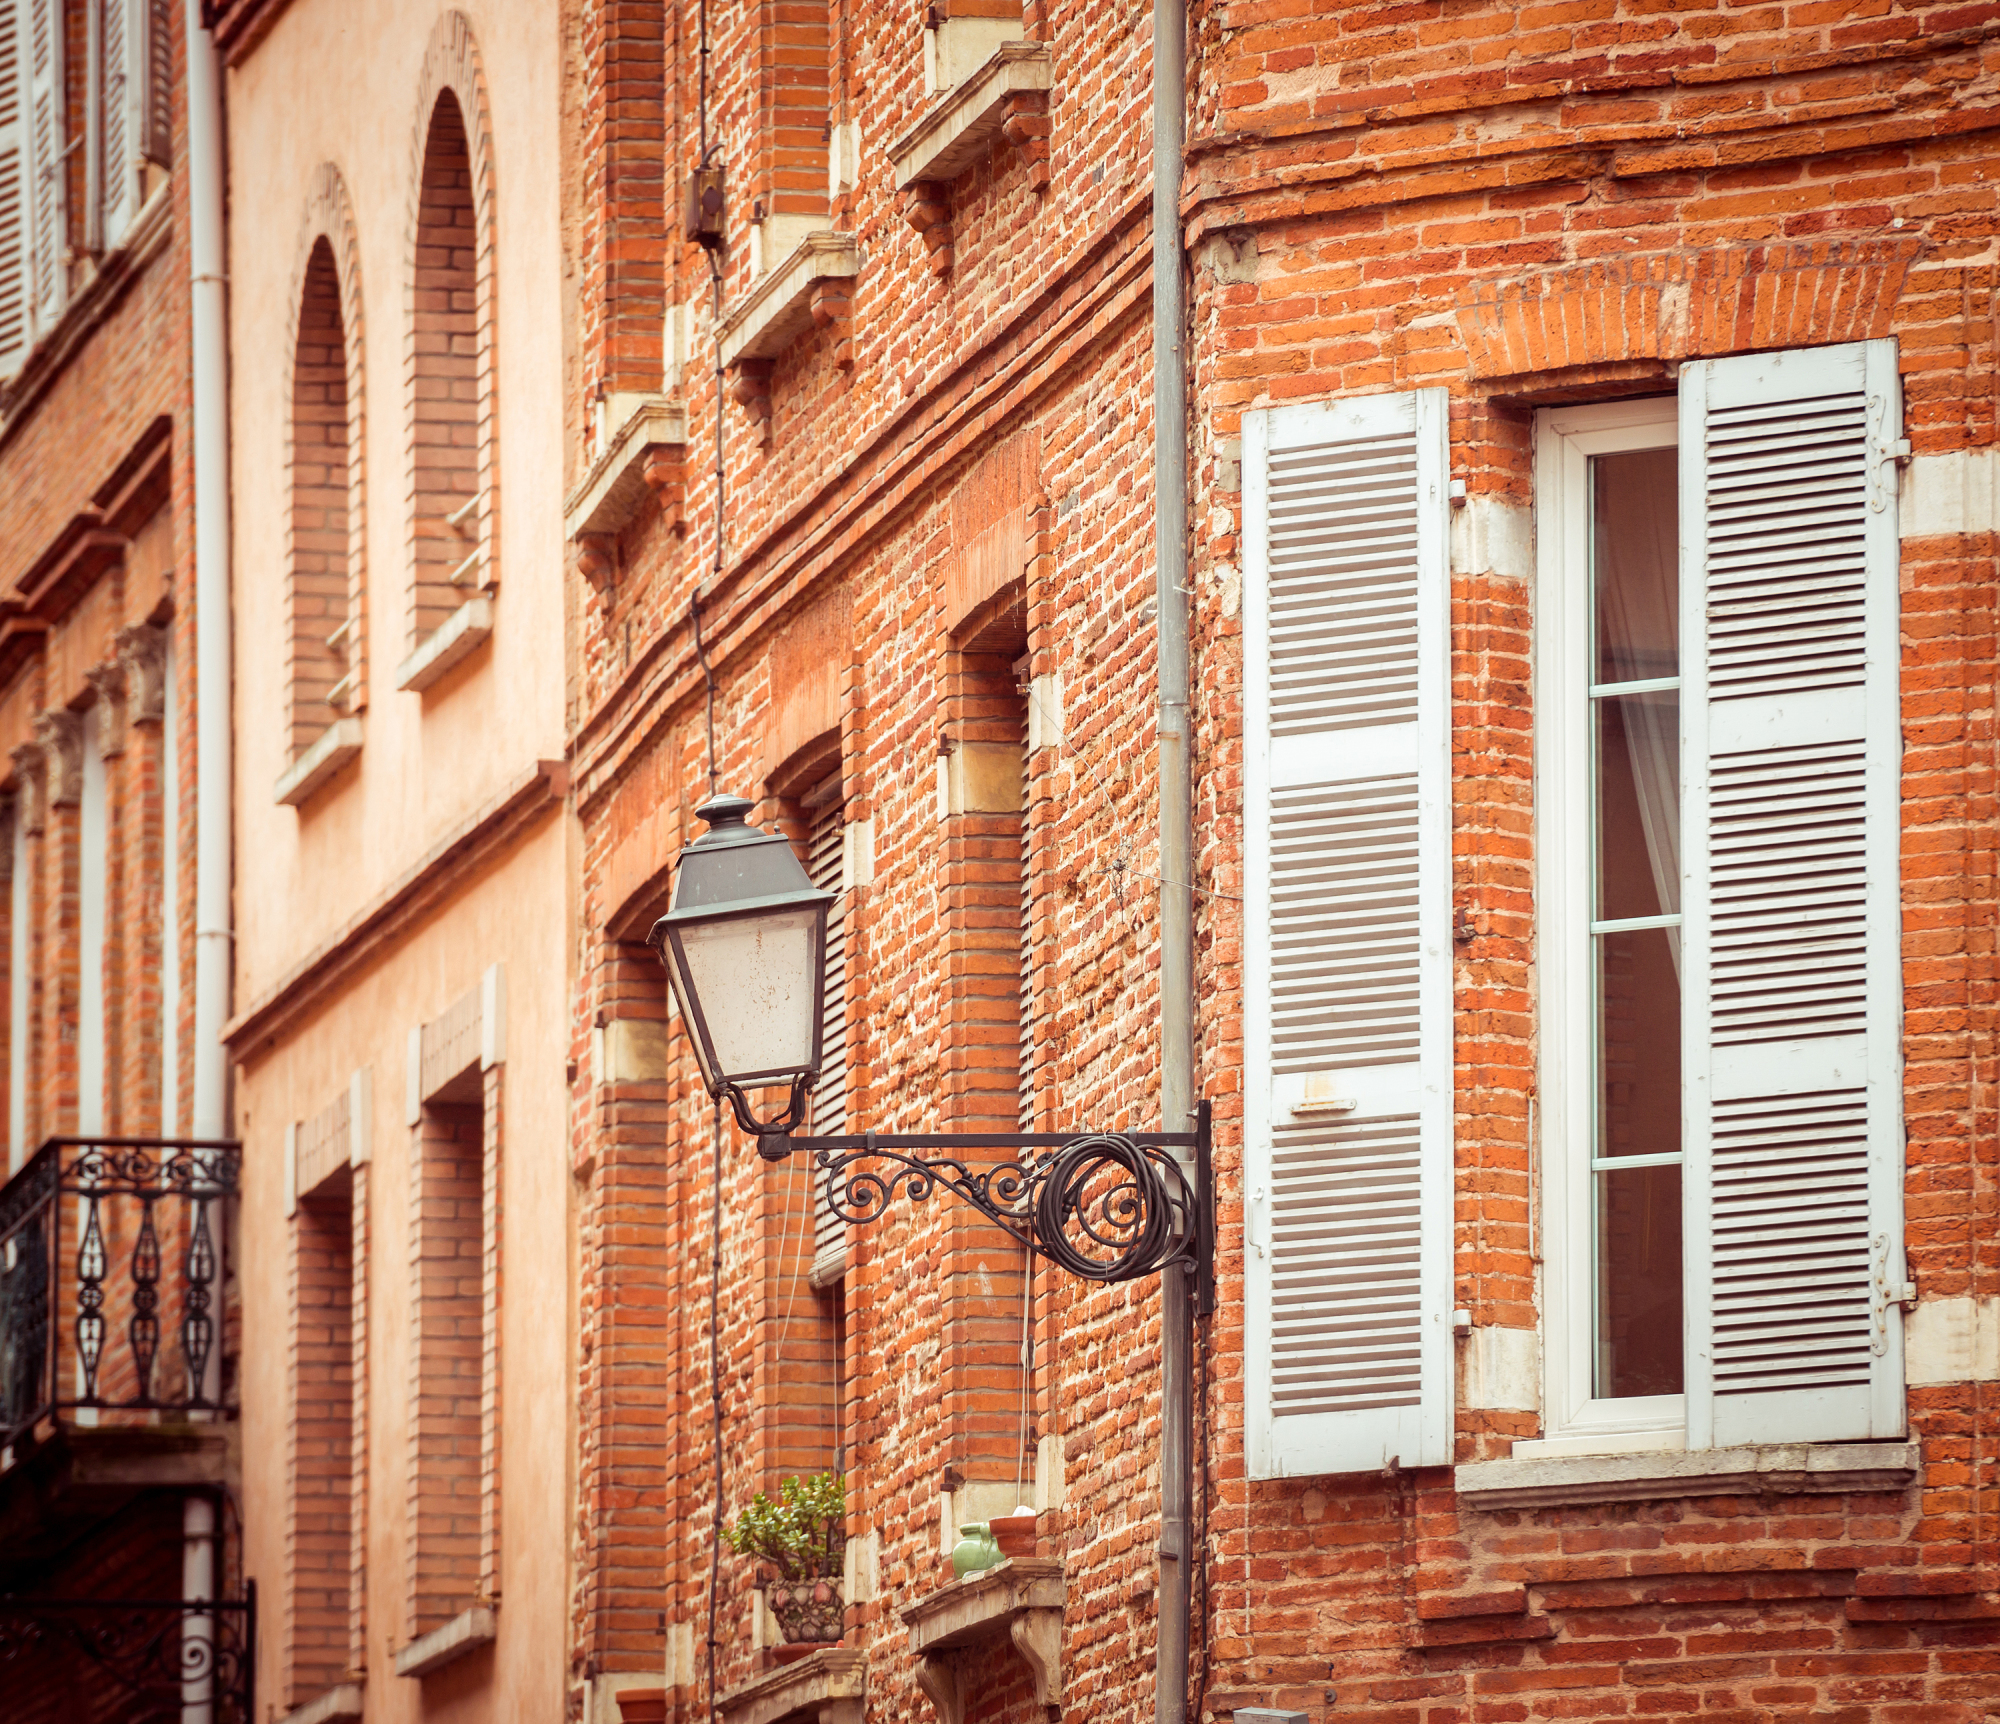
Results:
<point x="400" y="950"/>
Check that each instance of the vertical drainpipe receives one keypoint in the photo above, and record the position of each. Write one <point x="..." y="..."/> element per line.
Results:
<point x="1177" y="1082"/>
<point x="209" y="364"/>
<point x="208" y="315"/>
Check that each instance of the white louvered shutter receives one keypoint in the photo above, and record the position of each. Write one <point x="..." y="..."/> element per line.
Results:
<point x="1025" y="1118"/>
<point x="13" y="193"/>
<point x="1793" y="931"/>
<point x="122" y="88"/>
<point x="829" y="1104"/>
<point x="1347" y="937"/>
<point x="47" y="165"/>
<point x="158" y="100"/>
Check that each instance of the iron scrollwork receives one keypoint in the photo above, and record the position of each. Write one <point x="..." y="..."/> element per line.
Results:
<point x="1105" y="1206"/>
<point x="155" y="1655"/>
<point x="121" y="1236"/>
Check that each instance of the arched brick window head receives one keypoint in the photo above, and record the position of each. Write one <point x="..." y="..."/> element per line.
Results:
<point x="446" y="453"/>
<point x="321" y="643"/>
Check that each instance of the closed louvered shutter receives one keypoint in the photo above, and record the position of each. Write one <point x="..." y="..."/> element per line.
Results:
<point x="1026" y="1116"/>
<point x="121" y="113"/>
<point x="47" y="165"/>
<point x="1793" y="929"/>
<point x="829" y="1103"/>
<point x="13" y="194"/>
<point x="1347" y="941"/>
<point x="158" y="101"/>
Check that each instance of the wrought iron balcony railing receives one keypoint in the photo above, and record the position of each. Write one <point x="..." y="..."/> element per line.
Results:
<point x="113" y="1276"/>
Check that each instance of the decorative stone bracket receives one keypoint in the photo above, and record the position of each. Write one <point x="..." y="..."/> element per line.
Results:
<point x="809" y="289"/>
<point x="1006" y="99"/>
<point x="643" y="456"/>
<point x="1021" y="1599"/>
<point x="825" y="1687"/>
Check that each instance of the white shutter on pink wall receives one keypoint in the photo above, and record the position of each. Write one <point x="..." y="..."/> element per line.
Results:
<point x="1347" y="937"/>
<point x="1792" y="940"/>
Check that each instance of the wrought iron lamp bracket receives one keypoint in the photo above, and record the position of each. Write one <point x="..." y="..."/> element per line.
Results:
<point x="1105" y="1206"/>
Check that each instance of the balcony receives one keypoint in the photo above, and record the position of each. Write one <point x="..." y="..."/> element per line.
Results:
<point x="116" y="1304"/>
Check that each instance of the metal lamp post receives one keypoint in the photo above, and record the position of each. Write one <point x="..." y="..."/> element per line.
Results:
<point x="745" y="946"/>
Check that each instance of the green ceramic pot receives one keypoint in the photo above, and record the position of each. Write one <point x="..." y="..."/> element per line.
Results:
<point x="976" y="1551"/>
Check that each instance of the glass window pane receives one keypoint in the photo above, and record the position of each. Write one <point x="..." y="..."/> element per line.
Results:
<point x="1639" y="1283"/>
<point x="1635" y="563"/>
<point x="1639" y="1043"/>
<point x="1639" y="805"/>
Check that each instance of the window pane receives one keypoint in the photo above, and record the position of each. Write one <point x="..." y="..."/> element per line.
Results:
<point x="1635" y="558"/>
<point x="1639" y="805"/>
<point x="1639" y="1282"/>
<point x="1639" y="1043"/>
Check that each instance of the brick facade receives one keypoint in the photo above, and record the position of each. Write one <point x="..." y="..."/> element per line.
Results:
<point x="1527" y="209"/>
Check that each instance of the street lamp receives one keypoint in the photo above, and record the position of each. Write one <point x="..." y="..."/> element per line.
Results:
<point x="745" y="946"/>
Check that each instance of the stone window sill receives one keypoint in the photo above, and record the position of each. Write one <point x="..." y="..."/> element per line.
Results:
<point x="959" y="128"/>
<point x="1019" y="1600"/>
<point x="464" y="1634"/>
<point x="340" y="1705"/>
<point x="331" y="750"/>
<point x="778" y="310"/>
<point x="826" y="1687"/>
<point x="616" y="486"/>
<point x="1803" y="1468"/>
<point x="452" y="641"/>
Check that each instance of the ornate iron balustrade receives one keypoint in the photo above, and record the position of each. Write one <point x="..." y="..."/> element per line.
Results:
<point x="112" y="1270"/>
<point x="153" y="1657"/>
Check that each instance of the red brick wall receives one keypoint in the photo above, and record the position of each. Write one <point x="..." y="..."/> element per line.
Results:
<point x="1523" y="208"/>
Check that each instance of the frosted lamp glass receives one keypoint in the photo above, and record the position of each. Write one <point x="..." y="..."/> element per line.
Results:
<point x="755" y="977"/>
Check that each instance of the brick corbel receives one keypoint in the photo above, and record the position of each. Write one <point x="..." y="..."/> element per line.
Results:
<point x="142" y="651"/>
<point x="666" y="477"/>
<point x="30" y="787"/>
<point x="1026" y="127"/>
<point x="597" y="558"/>
<point x="108" y="713"/>
<point x="59" y="736"/>
<point x="750" y="389"/>
<point x="832" y="302"/>
<point x="926" y="207"/>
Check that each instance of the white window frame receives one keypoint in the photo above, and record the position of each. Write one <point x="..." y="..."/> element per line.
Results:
<point x="1574" y="1420"/>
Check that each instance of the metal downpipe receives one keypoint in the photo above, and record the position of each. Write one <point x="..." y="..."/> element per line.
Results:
<point x="1177" y="1062"/>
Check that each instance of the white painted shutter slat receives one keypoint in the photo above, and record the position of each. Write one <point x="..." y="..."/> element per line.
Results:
<point x="47" y="164"/>
<point x="121" y="85"/>
<point x="13" y="193"/>
<point x="1793" y="931"/>
<point x="1347" y="942"/>
<point x="829" y="1103"/>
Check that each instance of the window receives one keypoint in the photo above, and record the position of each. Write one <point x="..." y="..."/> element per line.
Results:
<point x="826" y="814"/>
<point x="324" y="650"/>
<point x="93" y="862"/>
<point x="124" y="87"/>
<point x="1717" y="741"/>
<point x="448" y="497"/>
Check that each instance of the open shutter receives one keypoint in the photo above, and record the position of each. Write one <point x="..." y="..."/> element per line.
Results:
<point x="47" y="164"/>
<point x="121" y="117"/>
<point x="1792" y="936"/>
<point x="824" y="848"/>
<point x="157" y="139"/>
<point x="1347" y="938"/>
<point x="13" y="194"/>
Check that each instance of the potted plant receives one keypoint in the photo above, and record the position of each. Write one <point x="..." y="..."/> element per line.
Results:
<point x="802" y="1536"/>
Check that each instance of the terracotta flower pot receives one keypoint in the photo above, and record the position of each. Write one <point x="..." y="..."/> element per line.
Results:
<point x="1015" y="1534"/>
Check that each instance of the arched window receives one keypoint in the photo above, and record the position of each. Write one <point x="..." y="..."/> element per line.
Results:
<point x="448" y="500"/>
<point x="324" y="652"/>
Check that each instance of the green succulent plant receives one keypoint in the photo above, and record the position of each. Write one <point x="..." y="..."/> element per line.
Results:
<point x="803" y="1534"/>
